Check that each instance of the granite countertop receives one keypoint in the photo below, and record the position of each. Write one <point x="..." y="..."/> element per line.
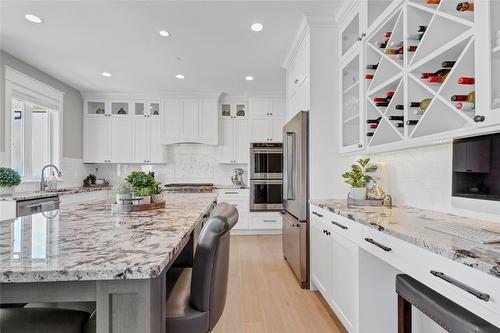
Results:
<point x="411" y="225"/>
<point x="85" y="242"/>
<point x="230" y="187"/>
<point x="17" y="196"/>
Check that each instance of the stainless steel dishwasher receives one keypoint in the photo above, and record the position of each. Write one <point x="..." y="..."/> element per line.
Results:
<point x="34" y="206"/>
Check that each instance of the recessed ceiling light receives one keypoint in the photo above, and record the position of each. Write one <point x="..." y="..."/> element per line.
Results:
<point x="106" y="74"/>
<point x="164" y="33"/>
<point x="180" y="76"/>
<point x="249" y="78"/>
<point x="256" y="27"/>
<point x="33" y="18"/>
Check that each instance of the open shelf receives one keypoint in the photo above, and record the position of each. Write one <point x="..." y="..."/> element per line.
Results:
<point x="384" y="134"/>
<point x="449" y="7"/>
<point x="424" y="5"/>
<point x="416" y="93"/>
<point x="440" y="32"/>
<point x="416" y="17"/>
<point x="397" y="99"/>
<point x="388" y="26"/>
<point x="382" y="93"/>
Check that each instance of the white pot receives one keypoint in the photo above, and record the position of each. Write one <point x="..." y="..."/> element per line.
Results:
<point x="7" y="190"/>
<point x="119" y="197"/>
<point x="145" y="200"/>
<point x="358" y="193"/>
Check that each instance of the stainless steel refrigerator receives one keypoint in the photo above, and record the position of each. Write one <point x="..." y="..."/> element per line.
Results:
<point x="296" y="196"/>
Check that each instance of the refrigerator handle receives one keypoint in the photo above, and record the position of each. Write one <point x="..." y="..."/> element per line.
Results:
<point x="285" y="163"/>
<point x="290" y="165"/>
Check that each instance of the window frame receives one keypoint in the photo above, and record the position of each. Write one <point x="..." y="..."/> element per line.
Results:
<point x="16" y="82"/>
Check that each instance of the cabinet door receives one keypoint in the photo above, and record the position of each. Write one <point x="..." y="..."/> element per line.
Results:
<point x="172" y="126"/>
<point x="226" y="141"/>
<point x="190" y="119"/>
<point x="121" y="140"/>
<point x="260" y="107"/>
<point x="320" y="258"/>
<point x="277" y="129"/>
<point x="141" y="140"/>
<point x="156" y="149"/>
<point x="241" y="144"/>
<point x="343" y="293"/>
<point x="259" y="130"/>
<point x="96" y="140"/>
<point x="208" y="121"/>
<point x="278" y="107"/>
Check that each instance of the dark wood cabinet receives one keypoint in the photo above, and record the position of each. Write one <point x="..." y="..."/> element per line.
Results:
<point x="472" y="156"/>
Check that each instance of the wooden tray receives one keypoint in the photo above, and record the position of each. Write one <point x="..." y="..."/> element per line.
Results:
<point x="115" y="208"/>
<point x="386" y="202"/>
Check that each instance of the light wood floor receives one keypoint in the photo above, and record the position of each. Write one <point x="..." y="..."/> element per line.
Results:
<point x="264" y="296"/>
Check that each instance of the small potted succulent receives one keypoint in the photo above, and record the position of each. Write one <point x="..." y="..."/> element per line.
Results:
<point x="123" y="191"/>
<point x="143" y="185"/>
<point x="8" y="180"/>
<point x="358" y="178"/>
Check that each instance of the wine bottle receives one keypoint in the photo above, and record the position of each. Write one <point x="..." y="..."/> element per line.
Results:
<point x="465" y="106"/>
<point x="422" y="28"/>
<point x="390" y="93"/>
<point x="422" y="105"/>
<point x="373" y="126"/>
<point x="397" y="118"/>
<point x="382" y="45"/>
<point x="441" y="72"/>
<point x="369" y="76"/>
<point x="400" y="107"/>
<point x="448" y="64"/>
<point x="391" y="51"/>
<point x="433" y="2"/>
<point x="374" y="121"/>
<point x="465" y="7"/>
<point x="375" y="66"/>
<point x="396" y="44"/>
<point x="418" y="112"/>
<point x="411" y="122"/>
<point x="412" y="48"/>
<point x="466" y="80"/>
<point x="415" y="36"/>
<point x="370" y="134"/>
<point x="436" y="79"/>
<point x="388" y="34"/>
<point x="382" y="104"/>
<point x="379" y="99"/>
<point x="400" y="124"/>
<point x="471" y="97"/>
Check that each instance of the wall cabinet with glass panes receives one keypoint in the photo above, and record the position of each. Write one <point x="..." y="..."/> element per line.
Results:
<point x="410" y="72"/>
<point x="122" y="131"/>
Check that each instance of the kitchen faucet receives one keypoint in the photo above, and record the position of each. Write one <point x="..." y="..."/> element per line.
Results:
<point x="42" y="182"/>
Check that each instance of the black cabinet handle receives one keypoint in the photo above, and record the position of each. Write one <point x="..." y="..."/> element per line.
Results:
<point x="340" y="225"/>
<point x="479" y="119"/>
<point x="317" y="214"/>
<point x="470" y="290"/>
<point x="383" y="247"/>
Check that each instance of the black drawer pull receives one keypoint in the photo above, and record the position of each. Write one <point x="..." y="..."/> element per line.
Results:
<point x="470" y="290"/>
<point x="383" y="247"/>
<point x="317" y="214"/>
<point x="340" y="225"/>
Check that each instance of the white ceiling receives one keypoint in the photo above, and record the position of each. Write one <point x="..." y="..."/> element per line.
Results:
<point x="211" y="42"/>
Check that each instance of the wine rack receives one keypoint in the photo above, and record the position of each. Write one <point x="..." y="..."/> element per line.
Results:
<point x="427" y="35"/>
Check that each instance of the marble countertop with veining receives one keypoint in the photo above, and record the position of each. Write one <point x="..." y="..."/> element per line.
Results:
<point x="17" y="196"/>
<point x="411" y="225"/>
<point x="85" y="242"/>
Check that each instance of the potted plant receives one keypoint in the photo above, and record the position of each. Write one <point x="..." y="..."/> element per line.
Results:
<point x="144" y="193"/>
<point x="89" y="181"/>
<point x="8" y="180"/>
<point x="358" y="178"/>
<point x="123" y="191"/>
<point x="156" y="194"/>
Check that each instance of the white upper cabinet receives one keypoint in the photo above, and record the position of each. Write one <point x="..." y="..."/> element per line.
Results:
<point x="96" y="137"/>
<point x="234" y="144"/>
<point x="121" y="140"/>
<point x="190" y="120"/>
<point x="267" y="116"/>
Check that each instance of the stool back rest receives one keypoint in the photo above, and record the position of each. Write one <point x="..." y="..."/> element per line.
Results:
<point x="211" y="263"/>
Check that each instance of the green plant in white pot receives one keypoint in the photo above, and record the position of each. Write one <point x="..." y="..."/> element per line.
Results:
<point x="8" y="180"/>
<point x="358" y="178"/>
<point x="123" y="191"/>
<point x="144" y="193"/>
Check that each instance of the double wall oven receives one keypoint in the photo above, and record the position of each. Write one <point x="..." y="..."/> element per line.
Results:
<point x="266" y="176"/>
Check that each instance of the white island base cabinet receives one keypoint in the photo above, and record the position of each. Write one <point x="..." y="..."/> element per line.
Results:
<point x="7" y="210"/>
<point x="357" y="278"/>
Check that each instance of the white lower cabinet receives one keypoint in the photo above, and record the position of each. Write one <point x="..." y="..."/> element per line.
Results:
<point x="7" y="210"/>
<point x="321" y="259"/>
<point x="239" y="198"/>
<point x="265" y="220"/>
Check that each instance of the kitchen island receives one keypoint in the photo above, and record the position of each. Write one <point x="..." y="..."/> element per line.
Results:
<point x="84" y="253"/>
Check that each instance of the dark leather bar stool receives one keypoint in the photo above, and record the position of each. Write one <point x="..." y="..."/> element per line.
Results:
<point x="448" y="314"/>
<point x="196" y="296"/>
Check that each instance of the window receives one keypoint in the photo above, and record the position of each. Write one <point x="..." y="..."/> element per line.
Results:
<point x="34" y="124"/>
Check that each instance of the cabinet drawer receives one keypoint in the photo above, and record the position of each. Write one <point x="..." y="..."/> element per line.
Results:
<point x="241" y="204"/>
<point x="265" y="221"/>
<point x="384" y="247"/>
<point x="338" y="224"/>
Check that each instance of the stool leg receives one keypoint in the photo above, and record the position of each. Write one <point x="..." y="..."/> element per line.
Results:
<point x="404" y="315"/>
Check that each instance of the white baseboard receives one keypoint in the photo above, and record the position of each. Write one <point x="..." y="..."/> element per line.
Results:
<point x="250" y="232"/>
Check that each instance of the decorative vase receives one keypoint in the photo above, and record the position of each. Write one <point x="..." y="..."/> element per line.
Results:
<point x="121" y="197"/>
<point x="7" y="190"/>
<point x="358" y="193"/>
